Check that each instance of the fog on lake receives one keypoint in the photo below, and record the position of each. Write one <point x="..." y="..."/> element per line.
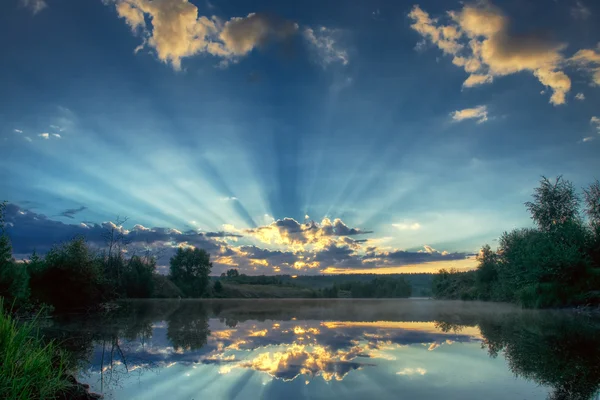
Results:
<point x="347" y="349"/>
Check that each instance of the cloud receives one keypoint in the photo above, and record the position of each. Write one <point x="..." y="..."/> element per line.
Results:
<point x="589" y="61"/>
<point x="70" y="213"/>
<point x="28" y="139"/>
<point x="312" y="361"/>
<point x="412" y="371"/>
<point x="407" y="226"/>
<point x="323" y="41"/>
<point x="18" y="131"/>
<point x="587" y="139"/>
<point x="479" y="39"/>
<point x="595" y="121"/>
<point x="34" y="5"/>
<point x="306" y="248"/>
<point x="580" y="11"/>
<point x="479" y="113"/>
<point x="580" y="96"/>
<point x="232" y="198"/>
<point x="47" y="135"/>
<point x="290" y="232"/>
<point x="175" y="30"/>
<point x="241" y="35"/>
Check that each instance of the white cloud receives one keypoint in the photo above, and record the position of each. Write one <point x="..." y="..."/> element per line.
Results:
<point x="28" y="138"/>
<point x="47" y="135"/>
<point x="232" y="198"/>
<point x="412" y="371"/>
<point x="595" y="121"/>
<point x="479" y="113"/>
<point x="479" y="39"/>
<point x="407" y="226"/>
<point x="324" y="43"/>
<point x="34" y="5"/>
<point x="588" y="139"/>
<point x="580" y="11"/>
<point x="18" y="131"/>
<point x="176" y="30"/>
<point x="580" y="96"/>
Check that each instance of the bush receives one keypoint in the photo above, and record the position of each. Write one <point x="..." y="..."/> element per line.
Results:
<point x="29" y="369"/>
<point x="70" y="278"/>
<point x="164" y="288"/>
<point x="138" y="278"/>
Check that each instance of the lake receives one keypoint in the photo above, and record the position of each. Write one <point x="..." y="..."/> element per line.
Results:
<point x="330" y="349"/>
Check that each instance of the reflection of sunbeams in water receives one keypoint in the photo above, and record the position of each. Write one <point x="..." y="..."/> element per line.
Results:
<point x="255" y="356"/>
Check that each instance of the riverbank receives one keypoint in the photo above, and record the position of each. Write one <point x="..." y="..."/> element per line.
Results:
<point x="33" y="368"/>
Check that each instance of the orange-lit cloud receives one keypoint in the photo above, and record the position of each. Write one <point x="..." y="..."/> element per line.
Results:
<point x="480" y="40"/>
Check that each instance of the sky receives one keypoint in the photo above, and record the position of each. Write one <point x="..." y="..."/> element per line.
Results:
<point x="323" y="137"/>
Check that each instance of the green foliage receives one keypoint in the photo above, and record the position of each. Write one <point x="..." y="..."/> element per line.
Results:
<point x="29" y="369"/>
<point x="232" y="273"/>
<point x="190" y="269"/>
<point x="591" y="197"/>
<point x="218" y="287"/>
<point x="554" y="203"/>
<point x="14" y="280"/>
<point x="380" y="287"/>
<point x="551" y="266"/>
<point x="454" y="285"/>
<point x="138" y="277"/>
<point x="164" y="288"/>
<point x="71" y="278"/>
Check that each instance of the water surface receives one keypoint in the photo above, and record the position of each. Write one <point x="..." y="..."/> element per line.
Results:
<point x="350" y="349"/>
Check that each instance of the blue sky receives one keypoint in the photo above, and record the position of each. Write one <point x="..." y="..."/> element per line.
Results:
<point x="426" y="124"/>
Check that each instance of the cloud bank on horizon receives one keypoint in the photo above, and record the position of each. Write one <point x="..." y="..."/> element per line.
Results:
<point x="288" y="247"/>
<point x="293" y="139"/>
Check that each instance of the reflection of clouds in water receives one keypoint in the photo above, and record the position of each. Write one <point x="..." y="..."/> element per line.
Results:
<point x="412" y="371"/>
<point x="288" y="349"/>
<point x="306" y="360"/>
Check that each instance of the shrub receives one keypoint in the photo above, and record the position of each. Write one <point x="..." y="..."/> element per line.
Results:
<point x="29" y="369"/>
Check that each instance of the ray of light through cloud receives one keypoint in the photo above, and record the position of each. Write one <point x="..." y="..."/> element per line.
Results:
<point x="396" y="140"/>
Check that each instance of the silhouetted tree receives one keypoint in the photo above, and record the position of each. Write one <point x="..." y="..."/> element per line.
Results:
<point x="190" y="269"/>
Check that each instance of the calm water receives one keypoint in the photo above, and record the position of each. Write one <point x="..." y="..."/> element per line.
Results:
<point x="348" y="349"/>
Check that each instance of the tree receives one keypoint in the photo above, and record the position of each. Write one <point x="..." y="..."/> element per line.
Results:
<point x="138" y="277"/>
<point x="232" y="273"/>
<point x="14" y="281"/>
<point x="218" y="287"/>
<point x="190" y="269"/>
<point x="487" y="272"/>
<point x="71" y="278"/>
<point x="591" y="196"/>
<point x="554" y="204"/>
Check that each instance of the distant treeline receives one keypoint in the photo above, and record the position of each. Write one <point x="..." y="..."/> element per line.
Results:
<point x="75" y="276"/>
<point x="555" y="264"/>
<point x="327" y="285"/>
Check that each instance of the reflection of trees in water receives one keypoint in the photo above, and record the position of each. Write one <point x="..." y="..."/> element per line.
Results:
<point x="558" y="351"/>
<point x="188" y="326"/>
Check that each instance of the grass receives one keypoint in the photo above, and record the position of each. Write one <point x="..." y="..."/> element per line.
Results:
<point x="29" y="368"/>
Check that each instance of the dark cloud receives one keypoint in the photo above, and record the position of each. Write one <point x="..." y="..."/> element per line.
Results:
<point x="330" y="244"/>
<point x="70" y="212"/>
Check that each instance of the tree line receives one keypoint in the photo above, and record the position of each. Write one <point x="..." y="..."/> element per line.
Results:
<point x="74" y="275"/>
<point x="554" y="264"/>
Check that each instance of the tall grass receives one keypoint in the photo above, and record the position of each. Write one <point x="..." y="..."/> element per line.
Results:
<point x="29" y="368"/>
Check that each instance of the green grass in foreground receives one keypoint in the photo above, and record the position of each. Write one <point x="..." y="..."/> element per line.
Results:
<point x="29" y="369"/>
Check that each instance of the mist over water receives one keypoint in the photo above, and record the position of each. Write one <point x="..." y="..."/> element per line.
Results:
<point x="352" y="349"/>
